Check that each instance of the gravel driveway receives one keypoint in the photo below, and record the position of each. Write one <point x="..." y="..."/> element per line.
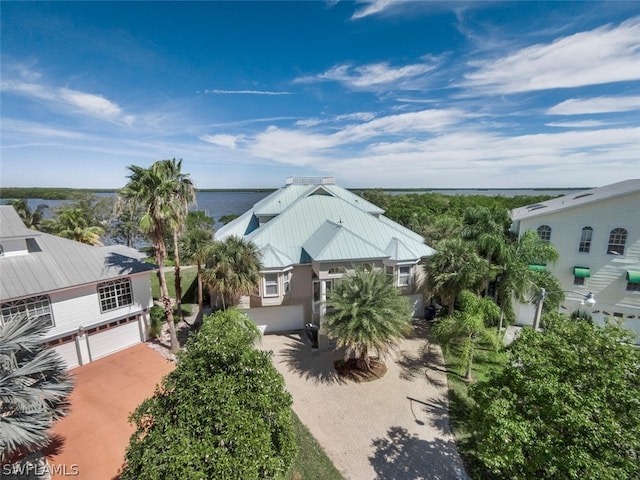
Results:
<point x="396" y="427"/>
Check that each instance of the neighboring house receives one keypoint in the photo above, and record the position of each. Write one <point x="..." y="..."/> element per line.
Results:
<point x="94" y="298"/>
<point x="311" y="233"/>
<point x="597" y="235"/>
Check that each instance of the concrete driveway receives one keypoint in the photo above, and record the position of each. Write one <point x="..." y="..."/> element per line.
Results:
<point x="396" y="427"/>
<point x="92" y="439"/>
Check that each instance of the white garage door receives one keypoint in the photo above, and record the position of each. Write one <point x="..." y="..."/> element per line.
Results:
<point x="114" y="339"/>
<point x="68" y="353"/>
<point x="278" y="319"/>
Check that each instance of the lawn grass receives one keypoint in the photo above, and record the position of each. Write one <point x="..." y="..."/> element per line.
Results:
<point x="187" y="278"/>
<point x="311" y="463"/>
<point x="486" y="362"/>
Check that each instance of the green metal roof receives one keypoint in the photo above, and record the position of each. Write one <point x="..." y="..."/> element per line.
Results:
<point x="272" y="258"/>
<point x="333" y="242"/>
<point x="296" y="230"/>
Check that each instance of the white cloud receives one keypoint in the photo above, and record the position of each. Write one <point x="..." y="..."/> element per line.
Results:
<point x="223" y="140"/>
<point x="372" y="8"/>
<point x="56" y="98"/>
<point x="579" y="124"/>
<point x="580" y="106"/>
<point x="374" y="76"/>
<point x="358" y="116"/>
<point x="604" y="55"/>
<point x="245" y="92"/>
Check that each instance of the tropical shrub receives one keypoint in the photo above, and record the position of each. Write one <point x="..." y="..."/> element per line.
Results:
<point x="566" y="406"/>
<point x="222" y="413"/>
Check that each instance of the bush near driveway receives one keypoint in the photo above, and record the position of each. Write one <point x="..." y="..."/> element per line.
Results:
<point x="222" y="413"/>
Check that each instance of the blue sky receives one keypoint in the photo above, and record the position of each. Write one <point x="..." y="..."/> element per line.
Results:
<point x="379" y="94"/>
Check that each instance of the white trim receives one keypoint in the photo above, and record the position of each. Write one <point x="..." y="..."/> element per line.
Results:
<point x="266" y="284"/>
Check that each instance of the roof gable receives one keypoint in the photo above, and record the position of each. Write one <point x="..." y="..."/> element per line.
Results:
<point x="331" y="241"/>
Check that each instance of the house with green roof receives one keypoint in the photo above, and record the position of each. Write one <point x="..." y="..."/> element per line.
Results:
<point x="310" y="234"/>
<point x="94" y="299"/>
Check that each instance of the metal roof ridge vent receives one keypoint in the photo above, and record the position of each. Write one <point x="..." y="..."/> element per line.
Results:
<point x="311" y="180"/>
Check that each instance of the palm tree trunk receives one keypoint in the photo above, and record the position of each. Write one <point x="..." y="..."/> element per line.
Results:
<point x="200" y="301"/>
<point x="164" y="298"/>
<point x="363" y="362"/>
<point x="178" y="280"/>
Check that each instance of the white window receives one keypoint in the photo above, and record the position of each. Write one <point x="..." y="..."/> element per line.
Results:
<point x="287" y="282"/>
<point x="617" y="241"/>
<point x="32" y="306"/>
<point x="115" y="294"/>
<point x="544" y="232"/>
<point x="585" y="240"/>
<point x="271" y="285"/>
<point x="404" y="276"/>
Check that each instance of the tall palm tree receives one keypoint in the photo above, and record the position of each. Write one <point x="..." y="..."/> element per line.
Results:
<point x="455" y="267"/>
<point x="233" y="269"/>
<point x="367" y="313"/>
<point x="467" y="326"/>
<point x="195" y="245"/>
<point x="182" y="195"/>
<point x="30" y="218"/>
<point x="34" y="387"/>
<point x="157" y="191"/>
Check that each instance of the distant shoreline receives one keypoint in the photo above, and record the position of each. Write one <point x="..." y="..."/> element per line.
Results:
<point x="60" y="193"/>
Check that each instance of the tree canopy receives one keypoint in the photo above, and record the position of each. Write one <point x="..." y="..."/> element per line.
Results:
<point x="566" y="406"/>
<point x="222" y="413"/>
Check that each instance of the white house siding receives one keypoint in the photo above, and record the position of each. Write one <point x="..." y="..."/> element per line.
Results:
<point x="80" y="306"/>
<point x="114" y="339"/>
<point x="608" y="272"/>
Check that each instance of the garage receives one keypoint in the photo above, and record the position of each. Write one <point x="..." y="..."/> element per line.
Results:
<point x="278" y="319"/>
<point x="99" y="341"/>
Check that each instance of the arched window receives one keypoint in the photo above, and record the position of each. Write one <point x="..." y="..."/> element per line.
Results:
<point x="585" y="240"/>
<point x="544" y="232"/>
<point x="617" y="241"/>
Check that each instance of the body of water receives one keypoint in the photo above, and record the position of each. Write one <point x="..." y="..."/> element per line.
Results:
<point x="217" y="204"/>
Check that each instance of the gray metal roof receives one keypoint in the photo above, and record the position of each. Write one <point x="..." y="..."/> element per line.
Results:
<point x="324" y="223"/>
<point x="626" y="187"/>
<point x="55" y="263"/>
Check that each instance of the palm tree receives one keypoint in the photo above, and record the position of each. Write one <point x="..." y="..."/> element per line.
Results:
<point x="467" y="326"/>
<point x="34" y="387"/>
<point x="182" y="194"/>
<point x="71" y="223"/>
<point x="517" y="280"/>
<point x="157" y="191"/>
<point x="30" y="218"/>
<point x="233" y="269"/>
<point x="195" y="245"/>
<point x="455" y="267"/>
<point x="367" y="313"/>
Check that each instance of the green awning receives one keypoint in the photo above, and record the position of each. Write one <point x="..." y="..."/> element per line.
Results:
<point x="581" y="272"/>
<point x="537" y="268"/>
<point x="633" y="276"/>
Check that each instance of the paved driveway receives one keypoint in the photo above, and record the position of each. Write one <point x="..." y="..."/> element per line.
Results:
<point x="396" y="427"/>
<point x="94" y="436"/>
